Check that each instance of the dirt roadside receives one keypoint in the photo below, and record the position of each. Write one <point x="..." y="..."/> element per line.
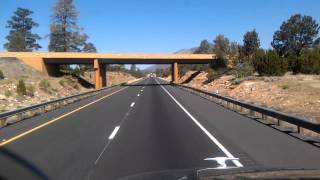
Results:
<point x="294" y="94"/>
<point x="43" y="88"/>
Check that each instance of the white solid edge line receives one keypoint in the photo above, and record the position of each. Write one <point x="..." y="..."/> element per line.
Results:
<point x="114" y="132"/>
<point x="236" y="162"/>
<point x="132" y="104"/>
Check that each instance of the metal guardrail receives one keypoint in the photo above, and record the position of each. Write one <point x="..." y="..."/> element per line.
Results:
<point x="43" y="107"/>
<point x="299" y="122"/>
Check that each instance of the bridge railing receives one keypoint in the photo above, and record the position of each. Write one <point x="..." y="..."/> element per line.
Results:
<point x="13" y="116"/>
<point x="259" y="112"/>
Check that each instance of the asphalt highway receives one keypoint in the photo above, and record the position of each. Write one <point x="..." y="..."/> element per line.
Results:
<point x="147" y="127"/>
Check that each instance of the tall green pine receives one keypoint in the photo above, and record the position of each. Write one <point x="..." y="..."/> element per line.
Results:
<point x="251" y="43"/>
<point x="65" y="34"/>
<point x="21" y="38"/>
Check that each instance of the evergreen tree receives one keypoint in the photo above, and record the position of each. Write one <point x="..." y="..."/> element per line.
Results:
<point x="89" y="47"/>
<point x="222" y="46"/>
<point x="65" y="35"/>
<point x="316" y="43"/>
<point x="20" y="37"/>
<point x="251" y="43"/>
<point x="204" y="48"/>
<point x="222" y="50"/>
<point x="297" y="33"/>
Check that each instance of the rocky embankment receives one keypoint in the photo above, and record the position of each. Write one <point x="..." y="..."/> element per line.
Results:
<point x="41" y="88"/>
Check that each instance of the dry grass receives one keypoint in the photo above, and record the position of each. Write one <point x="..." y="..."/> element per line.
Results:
<point x="294" y="94"/>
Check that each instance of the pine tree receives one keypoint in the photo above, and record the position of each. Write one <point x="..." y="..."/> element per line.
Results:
<point x="89" y="47"/>
<point x="20" y="37"/>
<point x="251" y="43"/>
<point x="65" y="34"/>
<point x="204" y="48"/>
<point x="222" y="50"/>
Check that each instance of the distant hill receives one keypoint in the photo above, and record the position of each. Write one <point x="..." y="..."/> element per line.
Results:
<point x="165" y="66"/>
<point x="186" y="51"/>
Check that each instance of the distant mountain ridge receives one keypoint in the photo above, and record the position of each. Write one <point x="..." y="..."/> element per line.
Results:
<point x="186" y="51"/>
<point x="165" y="66"/>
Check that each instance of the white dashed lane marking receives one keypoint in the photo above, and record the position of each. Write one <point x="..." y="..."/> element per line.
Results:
<point x="114" y="132"/>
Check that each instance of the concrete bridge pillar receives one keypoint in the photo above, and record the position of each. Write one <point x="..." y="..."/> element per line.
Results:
<point x="103" y="75"/>
<point x="100" y="74"/>
<point x="175" y="72"/>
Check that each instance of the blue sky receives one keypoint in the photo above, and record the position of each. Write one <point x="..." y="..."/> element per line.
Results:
<point x="165" y="26"/>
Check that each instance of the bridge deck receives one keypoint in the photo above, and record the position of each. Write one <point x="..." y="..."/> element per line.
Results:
<point x="74" y="57"/>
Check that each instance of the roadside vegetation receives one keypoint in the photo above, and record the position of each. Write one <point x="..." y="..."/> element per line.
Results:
<point x="1" y="75"/>
<point x="21" y="88"/>
<point x="45" y="86"/>
<point x="133" y="70"/>
<point x="285" y="77"/>
<point x="296" y="49"/>
<point x="69" y="81"/>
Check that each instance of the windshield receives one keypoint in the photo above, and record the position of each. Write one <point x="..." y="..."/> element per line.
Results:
<point x="180" y="89"/>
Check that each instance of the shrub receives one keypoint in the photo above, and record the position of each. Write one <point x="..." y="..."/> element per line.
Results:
<point x="211" y="76"/>
<point x="30" y="90"/>
<point x="1" y="75"/>
<point x="307" y="63"/>
<point x="183" y="68"/>
<point x="220" y="63"/>
<point x="69" y="81"/>
<point x="284" y="86"/>
<point x="270" y="64"/>
<point x="21" y="88"/>
<point x="8" y="93"/>
<point x="293" y="64"/>
<point x="76" y="86"/>
<point x="243" y="70"/>
<point x="62" y="82"/>
<point x="45" y="85"/>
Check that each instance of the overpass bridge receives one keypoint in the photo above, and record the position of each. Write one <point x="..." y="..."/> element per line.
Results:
<point x="49" y="62"/>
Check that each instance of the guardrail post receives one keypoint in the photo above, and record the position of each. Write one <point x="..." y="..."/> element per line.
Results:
<point x="19" y="116"/>
<point x="278" y="122"/>
<point x="251" y="113"/>
<point x="241" y="109"/>
<point x="3" y="122"/>
<point x="299" y="129"/>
